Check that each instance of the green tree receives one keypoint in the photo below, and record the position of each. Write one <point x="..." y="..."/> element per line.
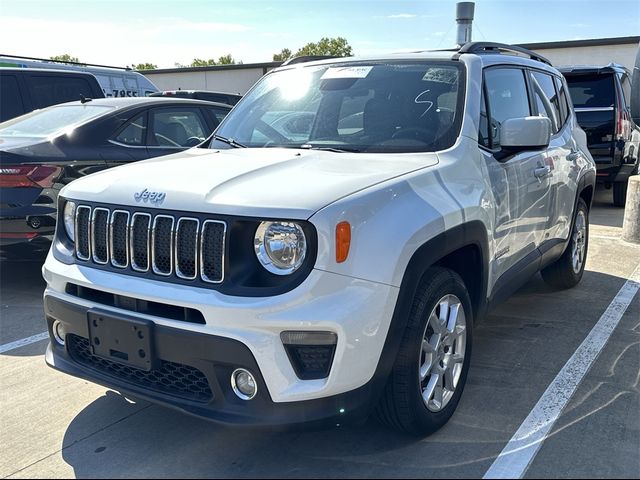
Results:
<point x="337" y="47"/>
<point x="144" y="66"/>
<point x="198" y="62"/>
<point x="66" y="58"/>
<point x="284" y="55"/>
<point x="227" y="60"/>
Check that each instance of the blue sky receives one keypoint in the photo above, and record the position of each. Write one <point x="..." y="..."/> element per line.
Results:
<point x="165" y="32"/>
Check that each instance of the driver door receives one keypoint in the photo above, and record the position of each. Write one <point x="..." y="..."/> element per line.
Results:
<point x="173" y="129"/>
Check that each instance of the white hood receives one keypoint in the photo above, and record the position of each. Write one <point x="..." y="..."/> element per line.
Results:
<point x="271" y="182"/>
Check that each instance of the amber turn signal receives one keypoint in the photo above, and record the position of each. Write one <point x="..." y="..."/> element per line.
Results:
<point x="343" y="241"/>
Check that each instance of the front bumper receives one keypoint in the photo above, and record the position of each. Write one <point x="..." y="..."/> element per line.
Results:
<point x="216" y="358"/>
<point x="241" y="332"/>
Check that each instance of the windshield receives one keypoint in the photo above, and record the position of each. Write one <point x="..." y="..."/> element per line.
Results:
<point x="50" y="121"/>
<point x="361" y="107"/>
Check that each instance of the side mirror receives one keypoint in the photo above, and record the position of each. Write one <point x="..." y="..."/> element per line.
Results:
<point x="635" y="90"/>
<point x="527" y="133"/>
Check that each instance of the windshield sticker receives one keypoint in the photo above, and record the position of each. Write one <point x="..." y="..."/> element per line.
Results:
<point x="346" y="72"/>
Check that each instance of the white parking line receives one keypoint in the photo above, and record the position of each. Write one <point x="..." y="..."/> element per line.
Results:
<point x="25" y="341"/>
<point x="517" y="455"/>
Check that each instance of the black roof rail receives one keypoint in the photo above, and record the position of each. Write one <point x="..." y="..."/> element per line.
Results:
<point x="48" y="60"/>
<point x="306" y="58"/>
<point x="492" y="47"/>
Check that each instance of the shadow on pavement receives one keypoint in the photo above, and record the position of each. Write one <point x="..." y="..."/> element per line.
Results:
<point x="604" y="213"/>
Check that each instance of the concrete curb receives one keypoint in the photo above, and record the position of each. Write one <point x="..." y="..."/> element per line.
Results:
<point x="631" y="225"/>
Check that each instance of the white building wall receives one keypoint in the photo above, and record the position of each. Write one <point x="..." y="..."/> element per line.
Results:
<point x="592" y="55"/>
<point x="230" y="81"/>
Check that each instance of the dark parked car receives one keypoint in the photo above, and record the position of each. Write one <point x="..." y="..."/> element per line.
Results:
<point x="219" y="97"/>
<point x="601" y="97"/>
<point x="23" y="90"/>
<point x="44" y="150"/>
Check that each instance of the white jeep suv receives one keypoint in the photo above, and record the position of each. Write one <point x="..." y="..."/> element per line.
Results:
<point x="328" y="254"/>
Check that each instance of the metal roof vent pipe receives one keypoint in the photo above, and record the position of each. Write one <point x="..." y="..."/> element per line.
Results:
<point x="464" y="19"/>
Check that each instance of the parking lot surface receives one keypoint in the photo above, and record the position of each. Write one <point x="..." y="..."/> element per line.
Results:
<point x="53" y="425"/>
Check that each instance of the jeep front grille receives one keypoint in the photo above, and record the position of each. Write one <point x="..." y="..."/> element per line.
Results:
<point x="163" y="245"/>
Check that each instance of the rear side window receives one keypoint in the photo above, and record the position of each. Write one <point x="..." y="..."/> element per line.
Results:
<point x="51" y="90"/>
<point x="564" y="101"/>
<point x="626" y="87"/>
<point x="218" y="114"/>
<point x="591" y="91"/>
<point x="135" y="132"/>
<point x="546" y="98"/>
<point x="10" y="99"/>
<point x="178" y="128"/>
<point x="507" y="98"/>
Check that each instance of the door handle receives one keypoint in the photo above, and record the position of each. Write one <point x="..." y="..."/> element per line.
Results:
<point x="542" y="172"/>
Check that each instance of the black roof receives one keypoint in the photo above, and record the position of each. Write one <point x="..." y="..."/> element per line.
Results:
<point x="597" y="69"/>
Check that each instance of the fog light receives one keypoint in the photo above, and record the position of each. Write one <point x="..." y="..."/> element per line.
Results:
<point x="59" y="333"/>
<point x="243" y="384"/>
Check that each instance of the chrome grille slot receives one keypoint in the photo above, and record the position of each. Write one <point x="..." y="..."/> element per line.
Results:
<point x="162" y="245"/>
<point x="83" y="218"/>
<point x="169" y="247"/>
<point x="186" y="253"/>
<point x="119" y="238"/>
<point x="99" y="235"/>
<point x="139" y="241"/>
<point x="212" y="251"/>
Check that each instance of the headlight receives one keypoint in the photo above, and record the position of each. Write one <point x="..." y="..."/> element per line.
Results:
<point x="280" y="246"/>
<point x="69" y="216"/>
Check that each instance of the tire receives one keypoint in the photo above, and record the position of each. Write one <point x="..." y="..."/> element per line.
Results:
<point x="402" y="406"/>
<point x="567" y="271"/>
<point x="620" y="193"/>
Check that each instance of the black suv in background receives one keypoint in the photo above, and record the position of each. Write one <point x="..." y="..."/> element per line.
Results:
<point x="209" y="96"/>
<point x="23" y="90"/>
<point x="601" y="97"/>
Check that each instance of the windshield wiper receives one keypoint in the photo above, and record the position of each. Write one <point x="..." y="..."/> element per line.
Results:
<point x="229" y="141"/>
<point x="331" y="149"/>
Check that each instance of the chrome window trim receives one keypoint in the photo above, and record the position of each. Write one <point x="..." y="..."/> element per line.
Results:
<point x="78" y="256"/>
<point x="594" y="109"/>
<point x="196" y="238"/>
<point x="134" y="265"/>
<point x="171" y="243"/>
<point x="126" y="241"/>
<point x="92" y="235"/>
<point x="120" y="144"/>
<point x="203" y="277"/>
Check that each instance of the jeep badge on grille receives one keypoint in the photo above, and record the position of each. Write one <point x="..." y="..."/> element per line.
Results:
<point x="147" y="196"/>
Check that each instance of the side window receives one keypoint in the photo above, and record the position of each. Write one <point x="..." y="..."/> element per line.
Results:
<point x="179" y="127"/>
<point x="50" y="90"/>
<point x="565" y="109"/>
<point x="483" y="133"/>
<point x="546" y="98"/>
<point x="10" y="99"/>
<point x="626" y="88"/>
<point x="218" y="114"/>
<point x="507" y="98"/>
<point x="135" y="131"/>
